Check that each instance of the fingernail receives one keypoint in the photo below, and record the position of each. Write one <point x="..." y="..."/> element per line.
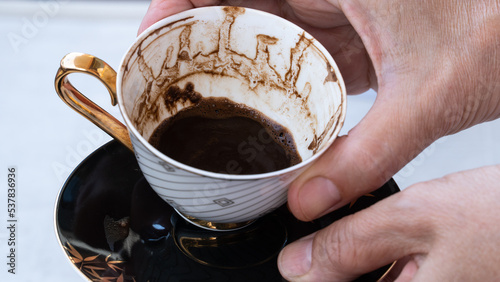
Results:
<point x="318" y="195"/>
<point x="295" y="259"/>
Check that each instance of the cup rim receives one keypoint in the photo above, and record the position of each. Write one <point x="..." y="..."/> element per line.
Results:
<point x="193" y="12"/>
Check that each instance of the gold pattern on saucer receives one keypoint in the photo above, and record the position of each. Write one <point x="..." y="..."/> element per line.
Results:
<point x="214" y="225"/>
<point x="353" y="202"/>
<point x="94" y="267"/>
<point x="83" y="63"/>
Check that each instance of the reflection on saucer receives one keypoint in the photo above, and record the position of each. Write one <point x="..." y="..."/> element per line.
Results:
<point x="113" y="227"/>
<point x="244" y="248"/>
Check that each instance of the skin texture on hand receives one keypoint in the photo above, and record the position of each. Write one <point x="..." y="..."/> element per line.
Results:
<point x="436" y="68"/>
<point x="433" y="79"/>
<point x="447" y="226"/>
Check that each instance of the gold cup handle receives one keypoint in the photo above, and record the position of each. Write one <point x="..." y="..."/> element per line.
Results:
<point x="88" y="64"/>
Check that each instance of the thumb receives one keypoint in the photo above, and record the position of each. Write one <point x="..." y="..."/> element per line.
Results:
<point x="359" y="243"/>
<point x="391" y="134"/>
<point x="159" y="9"/>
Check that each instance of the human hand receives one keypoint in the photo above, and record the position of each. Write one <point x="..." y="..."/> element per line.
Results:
<point x="445" y="230"/>
<point x="435" y="65"/>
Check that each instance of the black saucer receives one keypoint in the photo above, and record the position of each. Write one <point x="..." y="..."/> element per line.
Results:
<point x="113" y="227"/>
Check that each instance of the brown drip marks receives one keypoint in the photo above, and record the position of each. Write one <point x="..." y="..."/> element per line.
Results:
<point x="175" y="94"/>
<point x="223" y="61"/>
<point x="331" y="77"/>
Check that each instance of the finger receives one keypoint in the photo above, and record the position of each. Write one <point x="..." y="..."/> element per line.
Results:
<point x="361" y="243"/>
<point x="408" y="272"/>
<point x="159" y="9"/>
<point x="389" y="136"/>
<point x="403" y="270"/>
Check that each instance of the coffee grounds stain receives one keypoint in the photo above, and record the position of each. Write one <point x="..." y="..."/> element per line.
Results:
<point x="225" y="32"/>
<point x="223" y="61"/>
<point x="184" y="56"/>
<point x="314" y="144"/>
<point x="318" y="139"/>
<point x="331" y="76"/>
<point x="233" y="10"/>
<point x="156" y="32"/>
<point x="184" y="45"/>
<point x="296" y="55"/>
<point x="175" y="94"/>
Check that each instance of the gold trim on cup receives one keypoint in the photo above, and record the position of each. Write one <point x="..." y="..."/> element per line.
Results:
<point x="210" y="225"/>
<point x="387" y="276"/>
<point x="88" y="64"/>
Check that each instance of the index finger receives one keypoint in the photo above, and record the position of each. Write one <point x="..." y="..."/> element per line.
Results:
<point x="361" y="242"/>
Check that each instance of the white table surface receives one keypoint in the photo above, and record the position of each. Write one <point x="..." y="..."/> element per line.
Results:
<point x="45" y="140"/>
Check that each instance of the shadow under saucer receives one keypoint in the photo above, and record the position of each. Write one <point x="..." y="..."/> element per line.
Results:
<point x="113" y="227"/>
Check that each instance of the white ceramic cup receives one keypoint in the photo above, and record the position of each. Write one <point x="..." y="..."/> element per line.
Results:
<point x="248" y="56"/>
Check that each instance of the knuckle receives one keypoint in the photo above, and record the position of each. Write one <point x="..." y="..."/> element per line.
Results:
<point x="339" y="251"/>
<point x="415" y="216"/>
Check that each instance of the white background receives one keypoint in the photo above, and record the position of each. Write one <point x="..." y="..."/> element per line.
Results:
<point x="45" y="140"/>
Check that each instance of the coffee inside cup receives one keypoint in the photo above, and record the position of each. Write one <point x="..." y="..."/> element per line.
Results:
<point x="219" y="135"/>
<point x="285" y="84"/>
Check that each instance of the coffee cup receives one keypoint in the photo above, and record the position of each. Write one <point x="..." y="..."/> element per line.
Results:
<point x="251" y="58"/>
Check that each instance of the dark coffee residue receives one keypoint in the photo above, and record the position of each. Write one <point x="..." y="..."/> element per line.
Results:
<point x="218" y="135"/>
<point x="331" y="76"/>
<point x="175" y="94"/>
